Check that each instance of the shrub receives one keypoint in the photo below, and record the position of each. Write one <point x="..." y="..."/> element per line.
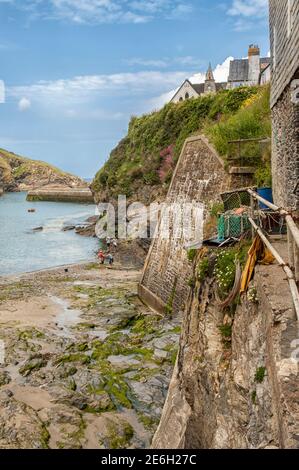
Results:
<point x="260" y="374"/>
<point x="191" y="254"/>
<point x="203" y="269"/>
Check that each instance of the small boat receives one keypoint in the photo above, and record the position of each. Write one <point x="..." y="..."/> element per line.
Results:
<point x="31" y="210"/>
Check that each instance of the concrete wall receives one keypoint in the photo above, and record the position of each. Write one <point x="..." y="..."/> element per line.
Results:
<point x="61" y="195"/>
<point x="200" y="177"/>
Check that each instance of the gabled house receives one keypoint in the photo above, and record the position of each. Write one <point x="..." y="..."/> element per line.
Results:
<point x="189" y="90"/>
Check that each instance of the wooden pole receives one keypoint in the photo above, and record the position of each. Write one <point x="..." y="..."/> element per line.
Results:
<point x="290" y="248"/>
<point x="264" y="201"/>
<point x="285" y="267"/>
<point x="293" y="228"/>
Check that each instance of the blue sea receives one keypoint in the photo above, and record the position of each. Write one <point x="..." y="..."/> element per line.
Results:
<point x="22" y="250"/>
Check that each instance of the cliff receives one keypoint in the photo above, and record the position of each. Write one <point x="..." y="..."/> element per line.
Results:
<point x="142" y="165"/>
<point x="22" y="174"/>
<point x="235" y="384"/>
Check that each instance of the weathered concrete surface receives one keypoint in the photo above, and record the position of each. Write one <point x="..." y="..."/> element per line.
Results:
<point x="199" y="178"/>
<point x="215" y="399"/>
<point x="199" y="171"/>
<point x="61" y="194"/>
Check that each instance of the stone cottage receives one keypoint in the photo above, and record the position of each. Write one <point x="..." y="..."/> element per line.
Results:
<point x="189" y="90"/>
<point x="249" y="72"/>
<point x="284" y="36"/>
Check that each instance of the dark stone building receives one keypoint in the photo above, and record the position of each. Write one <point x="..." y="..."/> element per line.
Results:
<point x="284" y="34"/>
<point x="247" y="72"/>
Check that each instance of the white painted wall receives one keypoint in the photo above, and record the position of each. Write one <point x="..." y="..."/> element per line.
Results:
<point x="181" y="94"/>
<point x="254" y="69"/>
<point x="266" y="76"/>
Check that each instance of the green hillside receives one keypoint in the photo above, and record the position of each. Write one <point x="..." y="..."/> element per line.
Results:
<point x="16" y="170"/>
<point x="148" y="154"/>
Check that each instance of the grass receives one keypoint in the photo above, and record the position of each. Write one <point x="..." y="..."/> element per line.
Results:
<point x="118" y="435"/>
<point x="202" y="269"/>
<point x="191" y="254"/>
<point x="251" y="120"/>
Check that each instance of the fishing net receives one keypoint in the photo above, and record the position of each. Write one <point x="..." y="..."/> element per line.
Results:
<point x="235" y="199"/>
<point x="232" y="226"/>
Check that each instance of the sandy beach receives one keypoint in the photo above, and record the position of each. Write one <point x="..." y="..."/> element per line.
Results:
<point x="86" y="364"/>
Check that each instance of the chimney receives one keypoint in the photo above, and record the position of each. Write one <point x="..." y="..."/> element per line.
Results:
<point x="254" y="67"/>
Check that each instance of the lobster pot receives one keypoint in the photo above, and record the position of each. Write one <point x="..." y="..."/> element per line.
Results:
<point x="232" y="226"/>
<point x="234" y="199"/>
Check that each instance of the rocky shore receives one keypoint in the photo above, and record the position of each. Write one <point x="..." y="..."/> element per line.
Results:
<point x="86" y="364"/>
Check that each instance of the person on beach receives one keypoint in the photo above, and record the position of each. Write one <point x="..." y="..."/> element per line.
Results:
<point x="114" y="242"/>
<point x="108" y="242"/>
<point x="110" y="259"/>
<point x="101" y="257"/>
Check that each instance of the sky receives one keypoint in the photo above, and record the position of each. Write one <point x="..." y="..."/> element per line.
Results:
<point x="75" y="71"/>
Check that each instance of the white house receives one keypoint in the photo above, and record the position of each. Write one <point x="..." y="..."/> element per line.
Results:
<point x="190" y="90"/>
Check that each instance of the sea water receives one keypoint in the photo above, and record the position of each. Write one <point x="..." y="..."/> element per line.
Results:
<point x="25" y="250"/>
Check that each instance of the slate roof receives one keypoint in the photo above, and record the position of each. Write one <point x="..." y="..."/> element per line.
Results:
<point x="199" y="87"/>
<point x="238" y="69"/>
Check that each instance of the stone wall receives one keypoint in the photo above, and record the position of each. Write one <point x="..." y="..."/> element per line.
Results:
<point x="285" y="150"/>
<point x="199" y="177"/>
<point x="284" y="39"/>
<point x="241" y="396"/>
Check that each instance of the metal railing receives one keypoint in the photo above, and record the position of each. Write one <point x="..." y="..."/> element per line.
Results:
<point x="292" y="268"/>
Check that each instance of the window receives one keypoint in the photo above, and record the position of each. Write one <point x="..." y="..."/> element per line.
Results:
<point x="291" y="16"/>
<point x="187" y="96"/>
<point x="181" y="99"/>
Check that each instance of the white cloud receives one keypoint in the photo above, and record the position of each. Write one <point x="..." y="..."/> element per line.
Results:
<point x="248" y="14"/>
<point x="83" y="88"/>
<point x="103" y="11"/>
<point x="165" y="62"/>
<point x="2" y="92"/>
<point x="93" y="114"/>
<point x="24" y="104"/>
<point x="249" y="8"/>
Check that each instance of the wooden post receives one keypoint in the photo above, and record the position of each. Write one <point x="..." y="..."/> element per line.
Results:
<point x="252" y="205"/>
<point x="290" y="248"/>
<point x="285" y="267"/>
<point x="296" y="260"/>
